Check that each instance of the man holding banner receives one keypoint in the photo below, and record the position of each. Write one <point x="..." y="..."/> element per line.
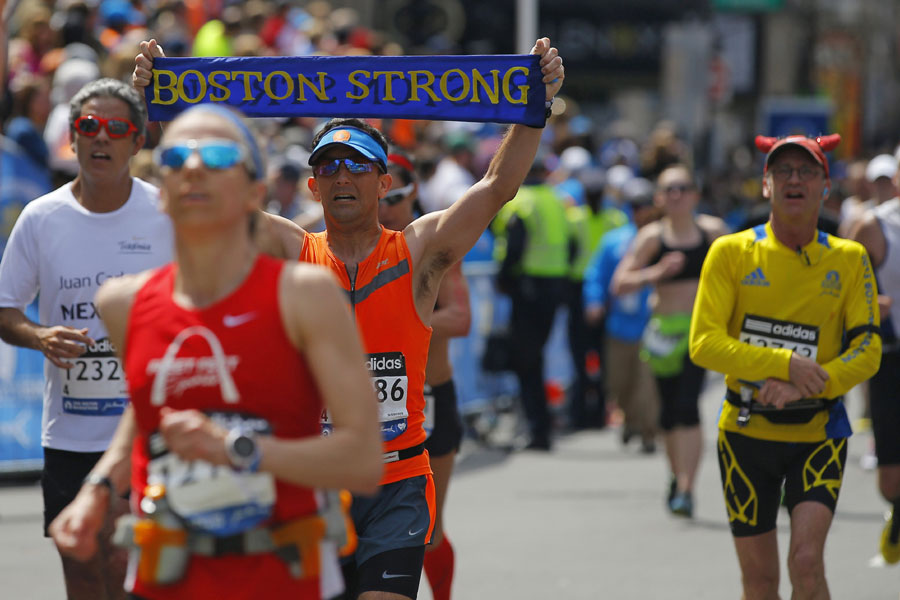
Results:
<point x="391" y="278"/>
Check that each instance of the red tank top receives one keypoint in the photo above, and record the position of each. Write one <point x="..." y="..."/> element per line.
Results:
<point x="273" y="383"/>
<point x="394" y="338"/>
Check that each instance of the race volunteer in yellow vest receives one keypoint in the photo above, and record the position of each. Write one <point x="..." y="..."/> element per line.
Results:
<point x="533" y="248"/>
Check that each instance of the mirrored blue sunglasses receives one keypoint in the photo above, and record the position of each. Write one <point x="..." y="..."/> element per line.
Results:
<point x="327" y="169"/>
<point x="214" y="154"/>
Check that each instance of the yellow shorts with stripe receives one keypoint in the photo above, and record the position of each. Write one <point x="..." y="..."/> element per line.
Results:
<point x="754" y="470"/>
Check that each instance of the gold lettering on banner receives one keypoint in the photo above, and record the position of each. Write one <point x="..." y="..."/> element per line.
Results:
<point x="415" y="86"/>
<point x="247" y="75"/>
<point x="454" y="85"/>
<point x="445" y="88"/>
<point x="158" y="86"/>
<point x="226" y="93"/>
<point x="388" y="81"/>
<point x="319" y="91"/>
<point x="270" y="92"/>
<point x="182" y="93"/>
<point x="492" y="92"/>
<point x="523" y="89"/>
<point x="354" y="81"/>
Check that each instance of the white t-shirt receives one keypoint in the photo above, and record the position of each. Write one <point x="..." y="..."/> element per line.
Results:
<point x="888" y="215"/>
<point x="65" y="252"/>
<point x="448" y="184"/>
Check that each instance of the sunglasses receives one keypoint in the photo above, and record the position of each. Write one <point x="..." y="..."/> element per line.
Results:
<point x="678" y="187"/>
<point x="90" y="125"/>
<point x="327" y="169"/>
<point x="214" y="154"/>
<point x="805" y="173"/>
<point x="398" y="195"/>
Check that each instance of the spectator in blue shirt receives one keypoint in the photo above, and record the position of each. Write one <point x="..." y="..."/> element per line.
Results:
<point x="629" y="381"/>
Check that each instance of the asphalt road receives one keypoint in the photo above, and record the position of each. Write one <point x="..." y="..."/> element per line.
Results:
<point x="585" y="521"/>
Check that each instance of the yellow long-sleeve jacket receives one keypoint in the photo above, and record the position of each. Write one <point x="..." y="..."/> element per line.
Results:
<point x="758" y="301"/>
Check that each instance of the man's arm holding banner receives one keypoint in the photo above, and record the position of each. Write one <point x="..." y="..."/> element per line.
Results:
<point x="446" y="236"/>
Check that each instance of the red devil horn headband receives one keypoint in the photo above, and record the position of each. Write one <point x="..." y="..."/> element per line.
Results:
<point x="829" y="142"/>
<point x="825" y="142"/>
<point x="764" y="144"/>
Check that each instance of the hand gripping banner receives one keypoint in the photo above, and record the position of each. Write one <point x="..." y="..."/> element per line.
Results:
<point x="498" y="89"/>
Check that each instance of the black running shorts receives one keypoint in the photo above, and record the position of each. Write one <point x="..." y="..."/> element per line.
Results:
<point x="753" y="470"/>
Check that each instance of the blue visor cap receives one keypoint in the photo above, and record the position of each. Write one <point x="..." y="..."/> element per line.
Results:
<point x="354" y="138"/>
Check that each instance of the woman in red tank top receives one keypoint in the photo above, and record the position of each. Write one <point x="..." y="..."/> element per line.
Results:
<point x="231" y="356"/>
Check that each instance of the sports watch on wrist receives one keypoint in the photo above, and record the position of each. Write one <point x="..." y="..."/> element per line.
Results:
<point x="242" y="449"/>
<point x="101" y="481"/>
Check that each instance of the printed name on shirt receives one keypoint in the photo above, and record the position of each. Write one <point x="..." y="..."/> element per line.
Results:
<point x="190" y="372"/>
<point x="86" y="281"/>
<point x="80" y="311"/>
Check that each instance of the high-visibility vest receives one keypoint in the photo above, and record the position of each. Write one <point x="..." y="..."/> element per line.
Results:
<point x="546" y="245"/>
<point x="587" y="229"/>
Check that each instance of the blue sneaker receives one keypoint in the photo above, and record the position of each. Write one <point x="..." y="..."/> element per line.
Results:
<point x="682" y="505"/>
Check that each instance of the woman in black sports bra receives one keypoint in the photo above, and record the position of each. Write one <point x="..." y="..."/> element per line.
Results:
<point x="668" y="254"/>
<point x="693" y="257"/>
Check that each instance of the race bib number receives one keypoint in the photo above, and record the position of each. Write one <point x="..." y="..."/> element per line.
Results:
<point x="657" y="343"/>
<point x="430" y="400"/>
<point x="771" y="333"/>
<point x="388" y="373"/>
<point x="214" y="498"/>
<point x="96" y="385"/>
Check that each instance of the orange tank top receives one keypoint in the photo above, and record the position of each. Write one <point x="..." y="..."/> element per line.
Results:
<point x="395" y="340"/>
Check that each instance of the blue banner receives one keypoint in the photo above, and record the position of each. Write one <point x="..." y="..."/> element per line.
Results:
<point x="498" y="89"/>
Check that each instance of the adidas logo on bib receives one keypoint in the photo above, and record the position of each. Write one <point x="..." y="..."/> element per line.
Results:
<point x="755" y="278"/>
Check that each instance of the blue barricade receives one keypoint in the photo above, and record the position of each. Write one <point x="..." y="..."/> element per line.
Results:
<point x="21" y="402"/>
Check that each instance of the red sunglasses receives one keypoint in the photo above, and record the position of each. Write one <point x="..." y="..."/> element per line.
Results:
<point x="89" y="125"/>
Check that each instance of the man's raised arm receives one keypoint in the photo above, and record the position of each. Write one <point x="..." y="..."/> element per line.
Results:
<point x="453" y="232"/>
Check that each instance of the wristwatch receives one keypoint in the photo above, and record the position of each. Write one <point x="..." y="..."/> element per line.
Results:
<point x="242" y="449"/>
<point x="101" y="480"/>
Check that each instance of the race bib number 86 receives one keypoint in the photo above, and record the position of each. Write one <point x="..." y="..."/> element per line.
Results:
<point x="388" y="373"/>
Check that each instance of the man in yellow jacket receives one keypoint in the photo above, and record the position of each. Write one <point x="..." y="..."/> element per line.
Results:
<point x="789" y="314"/>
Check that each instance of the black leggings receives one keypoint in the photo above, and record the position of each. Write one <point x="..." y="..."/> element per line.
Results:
<point x="679" y="397"/>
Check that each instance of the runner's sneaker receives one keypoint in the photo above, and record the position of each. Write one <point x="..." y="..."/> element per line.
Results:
<point x="682" y="505"/>
<point x="890" y="539"/>
<point x="673" y="487"/>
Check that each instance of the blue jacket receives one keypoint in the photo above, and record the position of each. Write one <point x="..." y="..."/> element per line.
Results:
<point x="626" y="315"/>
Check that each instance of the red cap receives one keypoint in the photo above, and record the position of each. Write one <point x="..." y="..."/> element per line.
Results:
<point x="817" y="147"/>
<point x="401" y="161"/>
